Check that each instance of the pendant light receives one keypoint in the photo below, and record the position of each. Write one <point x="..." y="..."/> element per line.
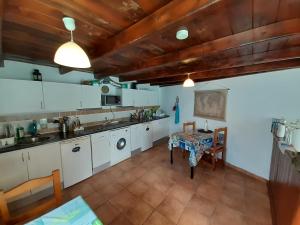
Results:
<point x="188" y="82"/>
<point x="71" y="54"/>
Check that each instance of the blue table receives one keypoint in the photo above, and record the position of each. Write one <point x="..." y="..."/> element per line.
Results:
<point x="194" y="142"/>
<point x="74" y="212"/>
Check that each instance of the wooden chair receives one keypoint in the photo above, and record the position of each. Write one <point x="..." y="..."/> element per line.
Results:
<point x="219" y="146"/>
<point x="26" y="187"/>
<point x="185" y="129"/>
<point x="186" y="125"/>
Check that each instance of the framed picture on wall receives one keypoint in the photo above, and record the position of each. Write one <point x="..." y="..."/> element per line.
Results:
<point x="211" y="104"/>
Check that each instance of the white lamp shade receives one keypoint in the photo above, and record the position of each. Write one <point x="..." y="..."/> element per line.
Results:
<point x="188" y="83"/>
<point x="72" y="55"/>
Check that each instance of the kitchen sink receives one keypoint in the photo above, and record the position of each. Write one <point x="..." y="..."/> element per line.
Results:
<point x="33" y="140"/>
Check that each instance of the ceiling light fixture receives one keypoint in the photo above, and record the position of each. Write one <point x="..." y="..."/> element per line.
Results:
<point x="188" y="82"/>
<point x="182" y="33"/>
<point x="71" y="54"/>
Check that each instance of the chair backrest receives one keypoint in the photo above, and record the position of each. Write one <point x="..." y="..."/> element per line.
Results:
<point x="186" y="125"/>
<point x="220" y="137"/>
<point x="26" y="187"/>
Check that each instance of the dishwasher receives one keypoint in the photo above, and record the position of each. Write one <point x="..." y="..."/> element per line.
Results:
<point x="76" y="160"/>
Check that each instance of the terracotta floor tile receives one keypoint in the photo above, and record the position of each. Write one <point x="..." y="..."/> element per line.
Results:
<point x="83" y="189"/>
<point x="121" y="220"/>
<point x="224" y="215"/>
<point x="153" y="197"/>
<point x="202" y="205"/>
<point x="192" y="217"/>
<point x="139" y="213"/>
<point x="137" y="172"/>
<point x="107" y="213"/>
<point x="209" y="191"/>
<point x="138" y="188"/>
<point x="95" y="200"/>
<point x="124" y="201"/>
<point x="150" y="178"/>
<point x="110" y="191"/>
<point x="180" y="193"/>
<point x="234" y="200"/>
<point x="157" y="219"/>
<point x="256" y="185"/>
<point x="126" y="179"/>
<point x="171" y="208"/>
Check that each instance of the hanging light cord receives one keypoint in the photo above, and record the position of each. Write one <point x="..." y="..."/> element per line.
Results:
<point x="72" y="36"/>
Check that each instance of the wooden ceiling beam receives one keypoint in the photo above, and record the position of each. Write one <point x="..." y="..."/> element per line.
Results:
<point x="268" y="32"/>
<point x="171" y="13"/>
<point x="269" y="56"/>
<point x="1" y="33"/>
<point x="230" y="72"/>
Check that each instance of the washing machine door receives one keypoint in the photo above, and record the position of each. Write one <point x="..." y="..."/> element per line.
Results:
<point x="121" y="144"/>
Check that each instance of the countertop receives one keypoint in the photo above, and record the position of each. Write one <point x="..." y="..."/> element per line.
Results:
<point x="58" y="136"/>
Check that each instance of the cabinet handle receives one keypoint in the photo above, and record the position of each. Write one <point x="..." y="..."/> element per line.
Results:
<point x="76" y="149"/>
<point x="147" y="128"/>
<point x="23" y="156"/>
<point x="28" y="155"/>
<point x="41" y="104"/>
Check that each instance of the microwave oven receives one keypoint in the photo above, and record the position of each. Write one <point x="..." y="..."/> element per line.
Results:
<point x="110" y="100"/>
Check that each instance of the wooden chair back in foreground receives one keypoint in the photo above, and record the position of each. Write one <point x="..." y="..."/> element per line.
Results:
<point x="219" y="146"/>
<point x="188" y="124"/>
<point x="26" y="187"/>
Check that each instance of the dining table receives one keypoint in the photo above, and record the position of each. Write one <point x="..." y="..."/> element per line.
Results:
<point x="195" y="142"/>
<point x="73" y="212"/>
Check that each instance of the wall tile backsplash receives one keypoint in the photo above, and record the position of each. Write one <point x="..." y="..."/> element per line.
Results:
<point x="85" y="116"/>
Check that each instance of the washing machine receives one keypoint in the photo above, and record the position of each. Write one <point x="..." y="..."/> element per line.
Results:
<point x="120" y="143"/>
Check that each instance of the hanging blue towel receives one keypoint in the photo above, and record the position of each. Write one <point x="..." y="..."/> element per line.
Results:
<point x="177" y="114"/>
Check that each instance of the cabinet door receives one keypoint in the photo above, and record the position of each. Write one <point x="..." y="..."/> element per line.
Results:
<point x="138" y="98"/>
<point x="62" y="96"/>
<point x="42" y="160"/>
<point x="19" y="96"/>
<point x="13" y="169"/>
<point x="146" y="136"/>
<point x="91" y="96"/>
<point x="100" y="149"/>
<point x="128" y="97"/>
<point x="135" y="136"/>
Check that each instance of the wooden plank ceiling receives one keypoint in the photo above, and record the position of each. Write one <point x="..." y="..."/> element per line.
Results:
<point x="135" y="39"/>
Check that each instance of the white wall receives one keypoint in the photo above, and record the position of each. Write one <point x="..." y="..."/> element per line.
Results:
<point x="252" y="102"/>
<point x="23" y="71"/>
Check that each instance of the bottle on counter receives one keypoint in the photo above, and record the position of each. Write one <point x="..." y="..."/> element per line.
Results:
<point x="20" y="132"/>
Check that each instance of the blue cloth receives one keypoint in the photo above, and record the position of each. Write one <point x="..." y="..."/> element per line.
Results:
<point x="177" y="120"/>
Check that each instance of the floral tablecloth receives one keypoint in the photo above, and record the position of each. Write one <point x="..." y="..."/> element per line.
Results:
<point x="194" y="142"/>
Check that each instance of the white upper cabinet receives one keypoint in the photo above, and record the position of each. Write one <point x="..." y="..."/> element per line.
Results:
<point x="91" y="96"/>
<point x="20" y="96"/>
<point x="128" y="97"/>
<point x="62" y="96"/>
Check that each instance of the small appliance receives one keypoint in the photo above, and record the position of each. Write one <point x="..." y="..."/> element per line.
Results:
<point x="110" y="100"/>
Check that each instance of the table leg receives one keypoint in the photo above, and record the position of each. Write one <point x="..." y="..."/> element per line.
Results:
<point x="192" y="172"/>
<point x="171" y="156"/>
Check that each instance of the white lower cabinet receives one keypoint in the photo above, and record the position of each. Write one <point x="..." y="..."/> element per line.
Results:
<point x="160" y="128"/>
<point x="135" y="136"/>
<point x="42" y="160"/>
<point x="101" y="149"/>
<point x="76" y="158"/>
<point x="13" y="169"/>
<point x="146" y="136"/>
<point x="19" y="166"/>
